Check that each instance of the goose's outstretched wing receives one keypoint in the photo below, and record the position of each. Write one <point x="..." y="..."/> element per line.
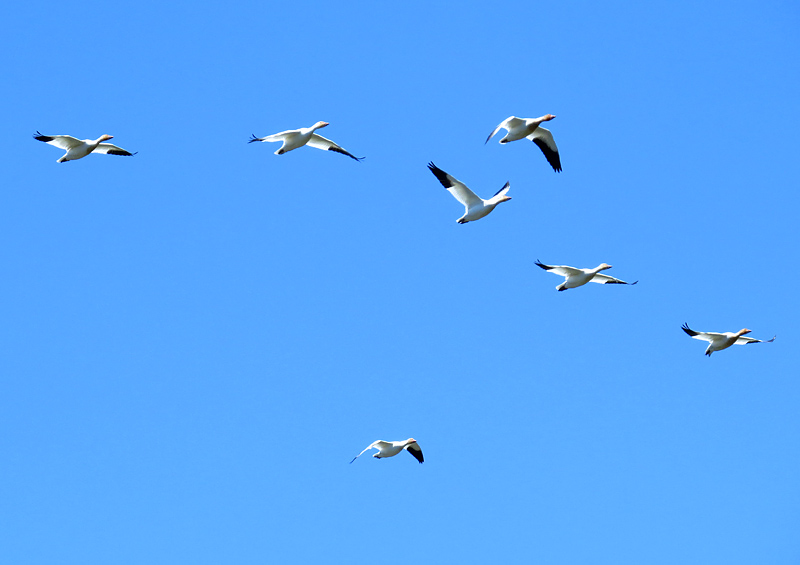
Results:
<point x="456" y="187"/>
<point x="110" y="149"/>
<point x="415" y="450"/>
<point x="562" y="270"/>
<point x="507" y="124"/>
<point x="375" y="444"/>
<point x="703" y="336"/>
<point x="745" y="340"/>
<point x="605" y="279"/>
<point x="65" y="142"/>
<point x="327" y="145"/>
<point x="544" y="141"/>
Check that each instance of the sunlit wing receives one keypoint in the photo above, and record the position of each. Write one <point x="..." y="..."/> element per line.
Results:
<point x="562" y="270"/>
<point x="456" y="187"/>
<point x="544" y="141"/>
<point x="327" y="145"/>
<point x="65" y="142"/>
<point x="112" y="150"/>
<point x="605" y="279"/>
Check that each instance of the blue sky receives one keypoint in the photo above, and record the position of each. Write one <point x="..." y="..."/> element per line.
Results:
<point x="198" y="339"/>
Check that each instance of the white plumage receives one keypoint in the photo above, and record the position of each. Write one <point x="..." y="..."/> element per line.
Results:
<point x="476" y="207"/>
<point x="520" y="128"/>
<point x="79" y="148"/>
<point x="574" y="278"/>
<point x="392" y="448"/>
<point x="720" y="341"/>
<point x="292" y="139"/>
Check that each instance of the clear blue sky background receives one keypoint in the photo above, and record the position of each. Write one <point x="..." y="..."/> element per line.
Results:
<point x="196" y="340"/>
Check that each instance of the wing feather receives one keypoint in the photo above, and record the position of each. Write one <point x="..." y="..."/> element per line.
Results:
<point x="605" y="279"/>
<point x="414" y="450"/>
<point x="65" y="142"/>
<point x="702" y="336"/>
<point x="745" y="340"/>
<point x="456" y="187"/>
<point x="373" y="444"/>
<point x="562" y="270"/>
<point x="544" y="141"/>
<point x="112" y="150"/>
<point x="326" y="144"/>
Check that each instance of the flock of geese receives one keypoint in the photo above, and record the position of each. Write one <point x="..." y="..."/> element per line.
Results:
<point x="475" y="208"/>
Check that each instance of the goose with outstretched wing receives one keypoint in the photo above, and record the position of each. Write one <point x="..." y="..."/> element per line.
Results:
<point x="530" y="128"/>
<point x="720" y="341"/>
<point x="392" y="448"/>
<point x="294" y="138"/>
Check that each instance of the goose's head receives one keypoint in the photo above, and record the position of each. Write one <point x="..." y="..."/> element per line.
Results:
<point x="320" y="125"/>
<point x="548" y="117"/>
<point x="505" y="198"/>
<point x="106" y="137"/>
<point x="742" y="332"/>
<point x="411" y="440"/>
<point x="603" y="267"/>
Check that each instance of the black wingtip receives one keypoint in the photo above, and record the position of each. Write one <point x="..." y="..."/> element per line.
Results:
<point x="633" y="283"/>
<point x="552" y="156"/>
<point x="505" y="186"/>
<point x="440" y="175"/>
<point x="542" y="265"/>
<point x="252" y="139"/>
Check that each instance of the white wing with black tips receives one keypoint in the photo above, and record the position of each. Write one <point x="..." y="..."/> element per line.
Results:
<point x="605" y="279"/>
<point x="415" y="450"/>
<point x="544" y="141"/>
<point x="455" y="187"/>
<point x="65" y="142"/>
<point x="110" y="149"/>
<point x="327" y="145"/>
<point x="562" y="270"/>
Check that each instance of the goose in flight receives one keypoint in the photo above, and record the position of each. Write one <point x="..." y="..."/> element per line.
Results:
<point x="294" y="138"/>
<point x="79" y="148"/>
<point x="519" y="128"/>
<point x="579" y="277"/>
<point x="476" y="207"/>
<point x="718" y="342"/>
<point x="392" y="448"/>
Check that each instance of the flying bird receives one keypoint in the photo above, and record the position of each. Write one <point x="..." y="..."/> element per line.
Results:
<point x="294" y="138"/>
<point x="519" y="128"/>
<point x="392" y="448"/>
<point x="579" y="277"/>
<point x="476" y="207"/>
<point x="718" y="342"/>
<point x="79" y="148"/>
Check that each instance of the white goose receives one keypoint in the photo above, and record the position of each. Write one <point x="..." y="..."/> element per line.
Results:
<point x="519" y="128"/>
<point x="476" y="207"/>
<point x="79" y="148"/>
<point x="579" y="277"/>
<point x="294" y="138"/>
<point x="392" y="448"/>
<point x="718" y="342"/>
